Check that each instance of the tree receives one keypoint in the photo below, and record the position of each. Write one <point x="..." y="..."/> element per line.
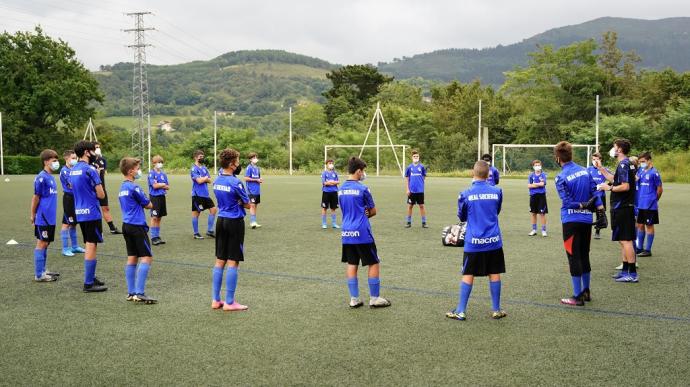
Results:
<point x="353" y="87"/>
<point x="46" y="92"/>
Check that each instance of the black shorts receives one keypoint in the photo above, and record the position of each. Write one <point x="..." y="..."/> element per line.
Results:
<point x="200" y="203"/>
<point x="576" y="240"/>
<point x="92" y="231"/>
<point x="365" y="253"/>
<point x="254" y="199"/>
<point x="68" y="214"/>
<point x="104" y="202"/>
<point x="45" y="233"/>
<point x="623" y="224"/>
<point x="230" y="239"/>
<point x="537" y="204"/>
<point x="648" y="217"/>
<point x="415" y="198"/>
<point x="483" y="263"/>
<point x="329" y="200"/>
<point x="160" y="208"/>
<point x="137" y="240"/>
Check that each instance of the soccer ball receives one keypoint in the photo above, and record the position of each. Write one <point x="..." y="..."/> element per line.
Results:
<point x="7" y="180"/>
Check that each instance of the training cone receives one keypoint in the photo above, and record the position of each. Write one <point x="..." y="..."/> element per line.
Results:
<point x="12" y="242"/>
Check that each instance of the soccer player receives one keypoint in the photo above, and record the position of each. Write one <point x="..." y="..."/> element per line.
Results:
<point x="577" y="191"/>
<point x="329" y="195"/>
<point x="232" y="201"/>
<point x="87" y="189"/>
<point x="494" y="176"/>
<point x="536" y="182"/>
<point x="599" y="178"/>
<point x="68" y="233"/>
<point x="101" y="166"/>
<point x="622" y="211"/>
<point x="415" y="174"/>
<point x="479" y="206"/>
<point x="357" y="206"/>
<point x="43" y="214"/>
<point x="201" y="200"/>
<point x="158" y="188"/>
<point x="649" y="192"/>
<point x="252" y="178"/>
<point x="135" y="230"/>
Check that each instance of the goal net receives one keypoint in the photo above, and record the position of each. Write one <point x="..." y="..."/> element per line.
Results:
<point x="517" y="158"/>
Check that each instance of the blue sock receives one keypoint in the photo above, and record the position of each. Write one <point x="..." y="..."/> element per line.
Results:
<point x="534" y="226"/>
<point x="39" y="262"/>
<point x="333" y="219"/>
<point x="73" y="236"/>
<point x="230" y="285"/>
<point x="130" y="275"/>
<point x="577" y="285"/>
<point x="155" y="232"/>
<point x="374" y="286"/>
<point x="64" y="235"/>
<point x="353" y="287"/>
<point x="211" y="219"/>
<point x="543" y="227"/>
<point x="142" y="273"/>
<point x="323" y="220"/>
<point x="195" y="225"/>
<point x="252" y="218"/>
<point x="640" y="240"/>
<point x="217" y="281"/>
<point x="585" y="280"/>
<point x="650" y="241"/>
<point x="495" y="288"/>
<point x="89" y="271"/>
<point x="423" y="219"/>
<point x="409" y="219"/>
<point x="463" y="297"/>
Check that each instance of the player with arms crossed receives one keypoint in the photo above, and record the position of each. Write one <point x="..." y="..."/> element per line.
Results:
<point x="649" y="192"/>
<point x="68" y="233"/>
<point x="252" y="178"/>
<point x="135" y="230"/>
<point x="329" y="194"/>
<point x="479" y="206"/>
<point x="232" y="201"/>
<point x="357" y="206"/>
<point x="415" y="175"/>
<point x="158" y="188"/>
<point x="536" y="182"/>
<point x="201" y="200"/>
<point x="43" y="214"/>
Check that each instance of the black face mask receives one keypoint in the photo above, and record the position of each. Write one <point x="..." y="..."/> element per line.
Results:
<point x="92" y="158"/>
<point x="237" y="170"/>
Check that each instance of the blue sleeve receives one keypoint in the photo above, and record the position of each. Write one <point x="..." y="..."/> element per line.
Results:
<point x="141" y="197"/>
<point x="423" y="171"/>
<point x="407" y="171"/>
<point x="529" y="179"/>
<point x="94" y="177"/>
<point x="657" y="179"/>
<point x="498" y="176"/>
<point x="241" y="192"/>
<point x="368" y="199"/>
<point x="194" y="173"/>
<point x="623" y="175"/>
<point x="337" y="178"/>
<point x="323" y="177"/>
<point x="462" y="208"/>
<point x="248" y="171"/>
<point x="38" y="187"/>
<point x="562" y="189"/>
<point x="593" y="191"/>
<point x="151" y="179"/>
<point x="500" y="202"/>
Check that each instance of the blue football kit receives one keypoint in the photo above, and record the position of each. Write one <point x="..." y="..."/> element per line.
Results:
<point x="84" y="179"/>
<point x="64" y="180"/>
<point x="575" y="185"/>
<point x="537" y="178"/>
<point x="479" y="206"/>
<point x="494" y="176"/>
<point x="416" y="173"/>
<point x="157" y="177"/>
<point x="46" y="189"/>
<point x="200" y="190"/>
<point x="253" y="172"/>
<point x="231" y="195"/>
<point x="648" y="183"/>
<point x="132" y="202"/>
<point x="353" y="198"/>
<point x="329" y="176"/>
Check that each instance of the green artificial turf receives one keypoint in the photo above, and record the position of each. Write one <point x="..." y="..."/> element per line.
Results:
<point x="299" y="329"/>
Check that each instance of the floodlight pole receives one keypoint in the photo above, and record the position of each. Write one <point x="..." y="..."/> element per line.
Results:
<point x="596" y="127"/>
<point x="215" y="142"/>
<point x="290" y="140"/>
<point x="479" y="132"/>
<point x="2" y="155"/>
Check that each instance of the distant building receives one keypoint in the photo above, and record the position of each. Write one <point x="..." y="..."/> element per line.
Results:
<point x="165" y="126"/>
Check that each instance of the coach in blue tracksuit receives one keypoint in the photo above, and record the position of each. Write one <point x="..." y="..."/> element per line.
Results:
<point x="479" y="206"/>
<point x="577" y="191"/>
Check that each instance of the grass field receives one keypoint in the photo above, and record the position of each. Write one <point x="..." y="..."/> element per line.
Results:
<point x="299" y="329"/>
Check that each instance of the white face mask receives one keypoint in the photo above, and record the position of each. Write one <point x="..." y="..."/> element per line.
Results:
<point x="55" y="165"/>
<point x="363" y="177"/>
<point x="159" y="165"/>
<point x="330" y="166"/>
<point x="643" y="165"/>
<point x="255" y="160"/>
<point x="72" y="162"/>
<point x="613" y="153"/>
<point x="98" y="151"/>
<point x="537" y="168"/>
<point x="415" y="160"/>
<point x="138" y="174"/>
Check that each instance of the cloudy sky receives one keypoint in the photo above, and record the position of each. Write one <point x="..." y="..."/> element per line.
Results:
<point x="345" y="31"/>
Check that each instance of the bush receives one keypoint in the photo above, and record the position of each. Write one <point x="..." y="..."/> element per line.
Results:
<point x="22" y="165"/>
<point x="673" y="166"/>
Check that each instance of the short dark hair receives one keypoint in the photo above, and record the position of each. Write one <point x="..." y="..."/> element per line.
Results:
<point x="48" y="154"/>
<point x="227" y="156"/>
<point x="127" y="164"/>
<point x="197" y="153"/>
<point x="67" y="153"/>
<point x="645" y="155"/>
<point x="251" y="155"/>
<point x="414" y="152"/>
<point x="623" y="144"/>
<point x="329" y="161"/>
<point x="82" y="146"/>
<point x="481" y="169"/>
<point x="563" y="151"/>
<point x="355" y="164"/>
<point x="486" y="157"/>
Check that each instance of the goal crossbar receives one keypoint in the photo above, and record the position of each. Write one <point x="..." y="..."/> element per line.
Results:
<point x="504" y="146"/>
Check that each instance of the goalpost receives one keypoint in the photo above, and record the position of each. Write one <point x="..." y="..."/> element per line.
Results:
<point x="586" y="151"/>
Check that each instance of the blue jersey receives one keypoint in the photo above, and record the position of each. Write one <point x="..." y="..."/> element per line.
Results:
<point x="534" y="178"/>
<point x="156" y="177"/>
<point x="598" y="178"/>
<point x="64" y="179"/>
<point x="494" y="177"/>
<point x="354" y="197"/>
<point x="329" y="176"/>
<point x="253" y="172"/>
<point x="231" y="196"/>
<point x="46" y="190"/>
<point x="199" y="189"/>
<point x="625" y="173"/>
<point x="132" y="203"/>
<point x="575" y="185"/>
<point x="648" y="183"/>
<point x="479" y="206"/>
<point x="416" y="173"/>
<point x="84" y="179"/>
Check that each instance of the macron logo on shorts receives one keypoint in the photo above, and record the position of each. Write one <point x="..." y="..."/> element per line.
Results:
<point x="487" y="240"/>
